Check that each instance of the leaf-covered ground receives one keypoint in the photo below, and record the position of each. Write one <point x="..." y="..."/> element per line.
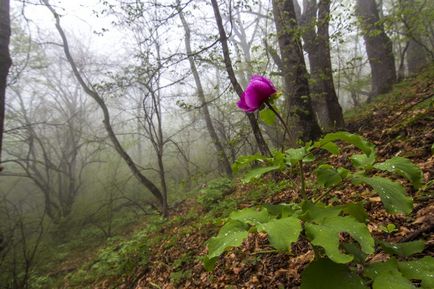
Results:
<point x="399" y="124"/>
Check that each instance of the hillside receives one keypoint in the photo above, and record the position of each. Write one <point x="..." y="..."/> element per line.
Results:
<point x="169" y="254"/>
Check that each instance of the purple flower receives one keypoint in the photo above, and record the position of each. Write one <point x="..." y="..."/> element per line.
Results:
<point x="257" y="92"/>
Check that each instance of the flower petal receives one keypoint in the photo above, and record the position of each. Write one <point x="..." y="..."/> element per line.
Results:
<point x="257" y="92"/>
<point x="264" y="79"/>
<point x="242" y="104"/>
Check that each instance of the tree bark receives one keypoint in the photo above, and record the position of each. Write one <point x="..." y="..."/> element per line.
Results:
<point x="417" y="57"/>
<point x="296" y="86"/>
<point x="262" y="145"/>
<point x="378" y="47"/>
<point x="223" y="159"/>
<point x="317" y="45"/>
<point x="100" y="101"/>
<point x="5" y="63"/>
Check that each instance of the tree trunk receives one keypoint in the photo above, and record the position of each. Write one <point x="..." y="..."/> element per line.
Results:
<point x="296" y="86"/>
<point x="223" y="159"/>
<point x="111" y="134"/>
<point x="317" y="45"/>
<point x="5" y="62"/>
<point x="162" y="173"/>
<point x="262" y="145"/>
<point x="378" y="48"/>
<point x="417" y="57"/>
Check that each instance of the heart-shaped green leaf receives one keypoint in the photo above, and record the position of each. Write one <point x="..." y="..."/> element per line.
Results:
<point x="355" y="210"/>
<point x="282" y="232"/>
<point x="325" y="274"/>
<point x="295" y="155"/>
<point x="251" y="216"/>
<point x="283" y="210"/>
<point x="317" y="212"/>
<point x="258" y="172"/>
<point x="366" y="147"/>
<point x="392" y="194"/>
<point x="354" y="249"/>
<point x="331" y="147"/>
<point x="403" y="249"/>
<point x="327" y="176"/>
<point x="267" y="116"/>
<point x="422" y="269"/>
<point x="386" y="276"/>
<point x="403" y="167"/>
<point x="232" y="234"/>
<point x="245" y="161"/>
<point x="326" y="234"/>
<point x="363" y="161"/>
<point x="343" y="172"/>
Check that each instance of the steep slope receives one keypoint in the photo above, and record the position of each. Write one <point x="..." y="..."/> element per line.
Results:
<point x="168" y="254"/>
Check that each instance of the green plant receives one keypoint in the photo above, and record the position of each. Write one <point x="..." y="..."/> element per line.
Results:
<point x="389" y="228"/>
<point x="122" y="258"/>
<point x="269" y="164"/>
<point x="177" y="277"/>
<point x="214" y="191"/>
<point x="118" y="258"/>
<point x="266" y="187"/>
<point x="40" y="282"/>
<point x="336" y="255"/>
<point x="185" y="258"/>
<point x="223" y="208"/>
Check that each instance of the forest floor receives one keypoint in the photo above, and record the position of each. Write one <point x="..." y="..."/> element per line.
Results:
<point x="400" y="123"/>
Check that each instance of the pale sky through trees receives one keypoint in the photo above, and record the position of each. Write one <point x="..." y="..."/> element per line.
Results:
<point x="79" y="18"/>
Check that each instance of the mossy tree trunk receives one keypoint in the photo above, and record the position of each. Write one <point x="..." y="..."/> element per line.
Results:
<point x="303" y="124"/>
<point x="378" y="47"/>
<point x="315" y="21"/>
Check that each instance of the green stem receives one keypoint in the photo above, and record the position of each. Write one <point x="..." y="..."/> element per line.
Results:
<point x="322" y="196"/>
<point x="326" y="193"/>
<point x="278" y="116"/>
<point x="264" y="252"/>
<point x="303" y="182"/>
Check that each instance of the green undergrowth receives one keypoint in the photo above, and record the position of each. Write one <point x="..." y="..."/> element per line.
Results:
<point x="406" y="89"/>
<point x="65" y="248"/>
<point x="336" y="226"/>
<point x="214" y="191"/>
<point x="119" y="259"/>
<point x="122" y="260"/>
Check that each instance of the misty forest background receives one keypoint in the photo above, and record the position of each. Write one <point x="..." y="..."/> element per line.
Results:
<point x="108" y="127"/>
